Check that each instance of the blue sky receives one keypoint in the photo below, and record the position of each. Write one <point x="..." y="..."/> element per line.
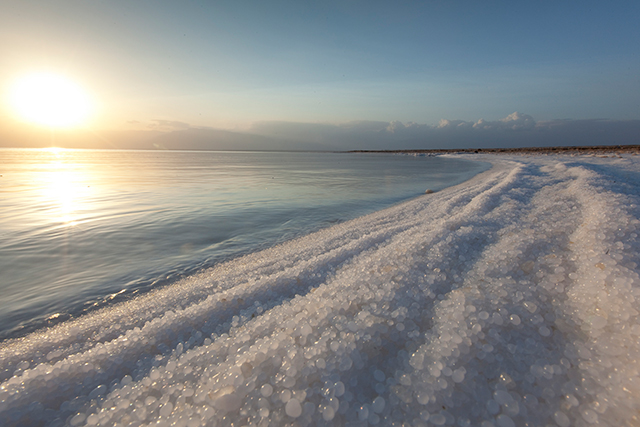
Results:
<point x="230" y="64"/>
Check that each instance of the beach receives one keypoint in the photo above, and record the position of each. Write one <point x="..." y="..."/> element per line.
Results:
<point x="507" y="300"/>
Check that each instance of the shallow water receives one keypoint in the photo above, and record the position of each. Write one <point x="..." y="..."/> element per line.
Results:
<point x="81" y="228"/>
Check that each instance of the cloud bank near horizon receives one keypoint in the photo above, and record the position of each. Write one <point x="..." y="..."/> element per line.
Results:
<point x="514" y="131"/>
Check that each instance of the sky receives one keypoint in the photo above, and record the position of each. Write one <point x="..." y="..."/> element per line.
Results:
<point x="283" y="68"/>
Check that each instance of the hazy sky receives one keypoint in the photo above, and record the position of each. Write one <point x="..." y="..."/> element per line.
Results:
<point x="228" y="64"/>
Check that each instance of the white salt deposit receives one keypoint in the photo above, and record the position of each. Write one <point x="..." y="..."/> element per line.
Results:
<point x="510" y="300"/>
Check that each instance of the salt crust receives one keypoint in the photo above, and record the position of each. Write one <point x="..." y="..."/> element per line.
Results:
<point x="509" y="300"/>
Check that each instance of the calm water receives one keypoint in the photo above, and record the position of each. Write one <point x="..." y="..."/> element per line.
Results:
<point x="82" y="228"/>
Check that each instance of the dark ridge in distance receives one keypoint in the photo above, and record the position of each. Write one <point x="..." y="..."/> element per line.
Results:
<point x="597" y="149"/>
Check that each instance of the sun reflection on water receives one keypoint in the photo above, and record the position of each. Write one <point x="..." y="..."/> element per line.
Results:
<point x="63" y="187"/>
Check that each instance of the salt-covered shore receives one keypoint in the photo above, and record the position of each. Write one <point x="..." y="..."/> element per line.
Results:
<point x="509" y="300"/>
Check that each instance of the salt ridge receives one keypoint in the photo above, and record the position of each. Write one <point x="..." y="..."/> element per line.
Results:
<point x="508" y="300"/>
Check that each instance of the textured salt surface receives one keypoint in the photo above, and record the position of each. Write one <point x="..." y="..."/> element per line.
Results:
<point x="509" y="300"/>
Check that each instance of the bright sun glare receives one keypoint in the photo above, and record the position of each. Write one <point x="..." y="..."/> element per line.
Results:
<point x="50" y="100"/>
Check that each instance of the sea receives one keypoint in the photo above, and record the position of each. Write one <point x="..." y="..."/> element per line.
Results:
<point x="81" y="229"/>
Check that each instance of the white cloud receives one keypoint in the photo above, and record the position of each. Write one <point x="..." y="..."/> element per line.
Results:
<point x="514" y="121"/>
<point x="518" y="121"/>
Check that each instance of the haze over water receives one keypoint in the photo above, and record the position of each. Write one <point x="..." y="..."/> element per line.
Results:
<point x="84" y="227"/>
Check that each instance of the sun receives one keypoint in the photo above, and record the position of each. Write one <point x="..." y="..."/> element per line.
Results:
<point x="50" y="100"/>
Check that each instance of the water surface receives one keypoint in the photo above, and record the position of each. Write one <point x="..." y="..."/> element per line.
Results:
<point x="81" y="228"/>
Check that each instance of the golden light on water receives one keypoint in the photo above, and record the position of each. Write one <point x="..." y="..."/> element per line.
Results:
<point x="64" y="188"/>
<point x="50" y="100"/>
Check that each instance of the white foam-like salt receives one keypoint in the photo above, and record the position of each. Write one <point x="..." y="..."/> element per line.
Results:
<point x="508" y="300"/>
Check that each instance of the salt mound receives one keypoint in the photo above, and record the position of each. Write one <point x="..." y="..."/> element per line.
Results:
<point x="509" y="300"/>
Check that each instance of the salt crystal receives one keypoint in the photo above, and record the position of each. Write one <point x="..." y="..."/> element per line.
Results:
<point x="328" y="413"/>
<point x="167" y="408"/>
<point x="228" y="403"/>
<point x="363" y="413"/>
<point x="502" y="397"/>
<point x="561" y="419"/>
<point x="378" y="404"/>
<point x="544" y="331"/>
<point x="77" y="420"/>
<point x="505" y="421"/>
<point x="266" y="390"/>
<point x="437" y="419"/>
<point x="458" y="375"/>
<point x="530" y="306"/>
<point x="293" y="408"/>
<point x="589" y="416"/>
